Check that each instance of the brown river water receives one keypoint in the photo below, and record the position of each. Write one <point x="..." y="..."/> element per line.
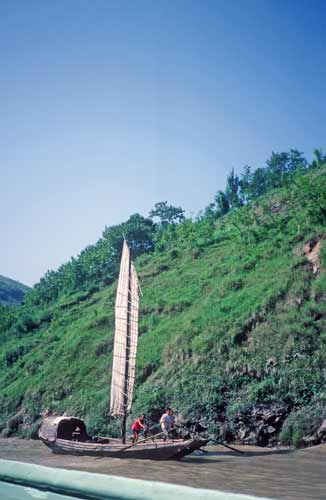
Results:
<point x="274" y="473"/>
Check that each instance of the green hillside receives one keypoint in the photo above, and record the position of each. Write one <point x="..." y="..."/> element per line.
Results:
<point x="11" y="292"/>
<point x="232" y="323"/>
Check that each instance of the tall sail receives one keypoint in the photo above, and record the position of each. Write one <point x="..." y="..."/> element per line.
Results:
<point x="126" y="336"/>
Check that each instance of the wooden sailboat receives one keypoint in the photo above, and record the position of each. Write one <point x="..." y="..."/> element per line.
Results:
<point x="68" y="435"/>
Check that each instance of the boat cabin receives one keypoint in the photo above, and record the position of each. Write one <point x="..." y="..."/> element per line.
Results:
<point x="69" y="428"/>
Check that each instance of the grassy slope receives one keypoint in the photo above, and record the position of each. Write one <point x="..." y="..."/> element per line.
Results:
<point x="232" y="317"/>
<point x="11" y="292"/>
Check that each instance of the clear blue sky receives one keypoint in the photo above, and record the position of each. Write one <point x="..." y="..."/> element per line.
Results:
<point x="110" y="106"/>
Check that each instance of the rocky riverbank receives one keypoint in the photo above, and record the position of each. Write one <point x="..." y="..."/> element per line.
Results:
<point x="261" y="425"/>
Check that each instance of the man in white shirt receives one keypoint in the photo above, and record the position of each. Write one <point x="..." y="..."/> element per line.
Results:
<point x="167" y="422"/>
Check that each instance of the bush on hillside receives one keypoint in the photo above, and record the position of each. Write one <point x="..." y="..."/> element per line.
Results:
<point x="301" y="427"/>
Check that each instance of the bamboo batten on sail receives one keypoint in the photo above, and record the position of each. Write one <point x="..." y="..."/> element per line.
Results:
<point x="126" y="336"/>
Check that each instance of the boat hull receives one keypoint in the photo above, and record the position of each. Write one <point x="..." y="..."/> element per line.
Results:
<point x="58" y="434"/>
<point x="145" y="451"/>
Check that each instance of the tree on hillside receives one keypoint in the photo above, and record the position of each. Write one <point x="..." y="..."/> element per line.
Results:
<point x="208" y="213"/>
<point x="320" y="158"/>
<point x="222" y="204"/>
<point x="232" y="191"/>
<point x="259" y="183"/>
<point x="245" y="184"/>
<point x="167" y="214"/>
<point x="7" y="317"/>
<point x="231" y="198"/>
<point x="138" y="231"/>
<point x="296" y="160"/>
<point x="282" y="164"/>
<point x="252" y="184"/>
<point x="276" y="168"/>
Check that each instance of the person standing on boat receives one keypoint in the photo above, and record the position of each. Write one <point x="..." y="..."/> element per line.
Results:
<point x="137" y="427"/>
<point x="167" y="422"/>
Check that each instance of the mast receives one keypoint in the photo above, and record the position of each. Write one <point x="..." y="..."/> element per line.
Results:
<point x="125" y="395"/>
<point x="125" y="340"/>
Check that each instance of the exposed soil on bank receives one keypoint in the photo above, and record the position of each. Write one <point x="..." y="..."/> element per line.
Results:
<point x="281" y="474"/>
